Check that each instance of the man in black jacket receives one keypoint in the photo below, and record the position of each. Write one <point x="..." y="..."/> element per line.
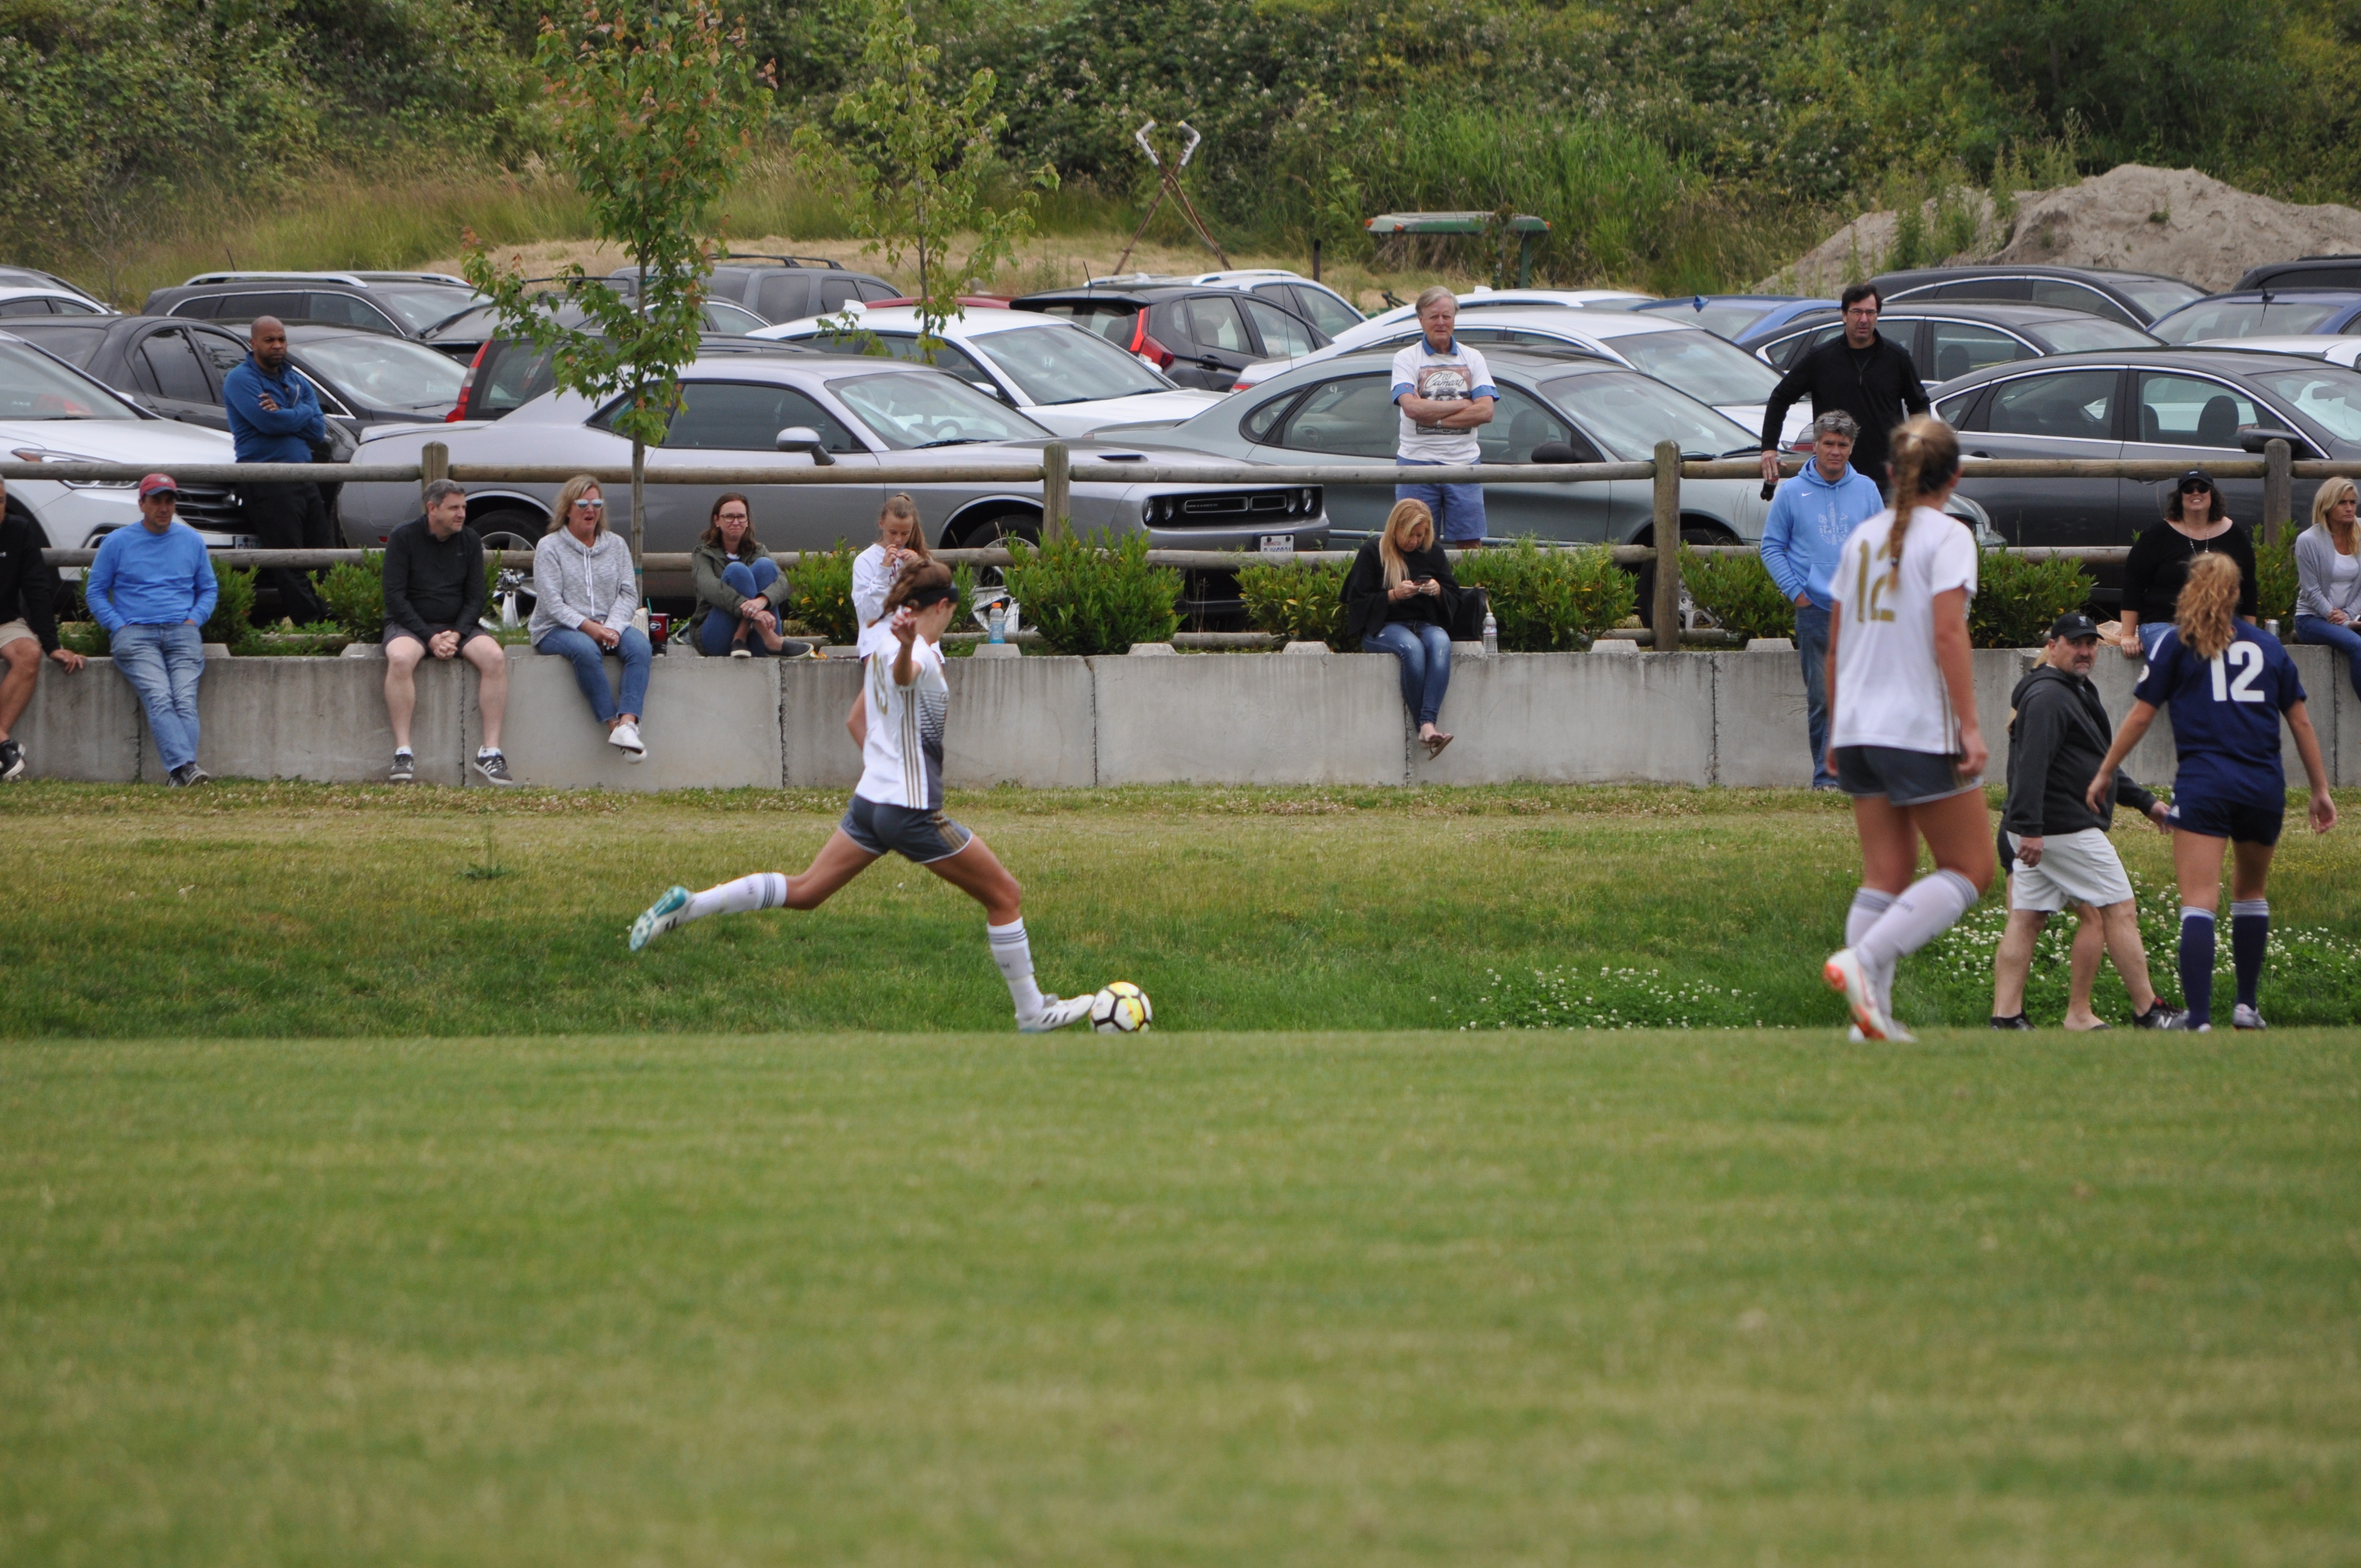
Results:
<point x="2057" y="739"/>
<point x="1866" y="374"/>
<point x="28" y="625"/>
<point x="433" y="608"/>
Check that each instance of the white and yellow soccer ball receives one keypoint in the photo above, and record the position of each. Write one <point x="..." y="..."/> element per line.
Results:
<point x="1120" y="1009"/>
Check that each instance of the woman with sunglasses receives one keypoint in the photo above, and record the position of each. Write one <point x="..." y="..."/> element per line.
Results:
<point x="586" y="595"/>
<point x="2194" y="525"/>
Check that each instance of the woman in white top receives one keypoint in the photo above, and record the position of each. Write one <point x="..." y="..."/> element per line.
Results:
<point x="899" y="804"/>
<point x="2328" y="574"/>
<point x="900" y="541"/>
<point x="1903" y="735"/>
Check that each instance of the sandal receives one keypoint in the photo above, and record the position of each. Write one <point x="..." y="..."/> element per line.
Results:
<point x="1434" y="744"/>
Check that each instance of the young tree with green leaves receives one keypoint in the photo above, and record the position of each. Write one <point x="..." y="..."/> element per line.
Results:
<point x="654" y="112"/>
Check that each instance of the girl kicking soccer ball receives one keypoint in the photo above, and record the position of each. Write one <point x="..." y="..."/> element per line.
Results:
<point x="899" y="804"/>
<point x="1903" y="735"/>
<point x="2227" y="684"/>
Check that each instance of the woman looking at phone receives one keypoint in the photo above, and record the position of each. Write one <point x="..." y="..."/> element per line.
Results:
<point x="1400" y="599"/>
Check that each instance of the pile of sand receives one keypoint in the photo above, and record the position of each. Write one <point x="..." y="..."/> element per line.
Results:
<point x="2172" y="221"/>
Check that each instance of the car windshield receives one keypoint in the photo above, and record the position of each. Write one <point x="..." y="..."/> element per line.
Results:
<point x="1058" y="364"/>
<point x="2247" y="318"/>
<point x="2328" y="395"/>
<point x="915" y="411"/>
<point x="75" y="346"/>
<point x="1629" y="414"/>
<point x="421" y="307"/>
<point x="2159" y="296"/>
<point x="387" y="372"/>
<point x="36" y="387"/>
<point x="1703" y="365"/>
<point x="2091" y="335"/>
<point x="1723" y="319"/>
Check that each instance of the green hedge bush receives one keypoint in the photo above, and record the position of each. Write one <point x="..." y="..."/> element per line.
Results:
<point x="232" y="621"/>
<point x="1097" y="595"/>
<point x="820" y="595"/>
<point x="2017" y="598"/>
<point x="2275" y="581"/>
<point x="354" y="592"/>
<point x="1302" y="601"/>
<point x="1549" y="602"/>
<point x="1737" y="592"/>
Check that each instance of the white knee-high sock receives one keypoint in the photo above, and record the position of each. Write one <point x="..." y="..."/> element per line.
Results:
<point x="763" y="890"/>
<point x="1014" y="953"/>
<point x="1868" y="904"/>
<point x="1927" y="908"/>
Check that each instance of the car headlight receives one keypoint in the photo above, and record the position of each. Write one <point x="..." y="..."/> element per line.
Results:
<point x="42" y="455"/>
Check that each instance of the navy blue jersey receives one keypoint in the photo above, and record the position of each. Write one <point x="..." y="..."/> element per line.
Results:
<point x="2226" y="714"/>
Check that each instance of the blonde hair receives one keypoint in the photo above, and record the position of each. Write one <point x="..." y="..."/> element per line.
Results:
<point x="2331" y="492"/>
<point x="2207" y="612"/>
<point x="1925" y="458"/>
<point x="904" y="508"/>
<point x="1406" y="516"/>
<point x="576" y="488"/>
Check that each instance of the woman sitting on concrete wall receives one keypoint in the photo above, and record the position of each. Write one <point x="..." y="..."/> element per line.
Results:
<point x="585" y="597"/>
<point x="1400" y="599"/>
<point x="738" y="588"/>
<point x="2328" y="574"/>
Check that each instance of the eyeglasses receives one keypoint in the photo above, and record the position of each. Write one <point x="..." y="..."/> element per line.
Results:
<point x="593" y="502"/>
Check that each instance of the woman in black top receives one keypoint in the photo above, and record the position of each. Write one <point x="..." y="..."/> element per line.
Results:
<point x="1399" y="598"/>
<point x="2158" y="566"/>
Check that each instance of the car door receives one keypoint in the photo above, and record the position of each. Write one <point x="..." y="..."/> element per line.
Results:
<point x="2049" y="414"/>
<point x="1219" y="345"/>
<point x="737" y="424"/>
<point x="166" y="367"/>
<point x="1520" y="423"/>
<point x="1957" y="348"/>
<point x="2191" y="419"/>
<point x="1347" y="418"/>
<point x="1284" y="335"/>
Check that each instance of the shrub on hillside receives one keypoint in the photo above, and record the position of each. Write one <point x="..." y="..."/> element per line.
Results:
<point x="1549" y="602"/>
<point x="2018" y="597"/>
<point x="820" y="595"/>
<point x="354" y="592"/>
<point x="1302" y="601"/>
<point x="1737" y="592"/>
<point x="1097" y="595"/>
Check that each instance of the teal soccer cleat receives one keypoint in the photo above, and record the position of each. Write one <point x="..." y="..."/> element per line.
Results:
<point x="661" y="917"/>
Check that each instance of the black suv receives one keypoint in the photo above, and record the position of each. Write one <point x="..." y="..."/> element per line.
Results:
<point x="1198" y="336"/>
<point x="785" y="288"/>
<point x="2135" y="298"/>
<point x="2310" y="272"/>
<point x="402" y="304"/>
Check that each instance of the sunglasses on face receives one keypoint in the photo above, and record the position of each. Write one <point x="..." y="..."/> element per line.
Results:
<point x="592" y="502"/>
<point x="2196" y="487"/>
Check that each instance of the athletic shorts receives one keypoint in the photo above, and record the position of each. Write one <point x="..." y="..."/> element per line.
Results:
<point x="2076" y="867"/>
<point x="2234" y="819"/>
<point x="921" y="837"/>
<point x="394" y="631"/>
<point x="14" y="632"/>
<point x="1906" y="778"/>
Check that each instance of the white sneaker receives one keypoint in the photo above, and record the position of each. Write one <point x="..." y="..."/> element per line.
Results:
<point x="627" y="738"/>
<point x="1056" y="1014"/>
<point x="659" y="917"/>
<point x="2246" y="1017"/>
<point x="741" y="651"/>
<point x="1843" y="973"/>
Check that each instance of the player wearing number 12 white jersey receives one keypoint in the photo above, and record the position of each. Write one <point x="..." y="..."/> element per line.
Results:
<point x="1903" y="740"/>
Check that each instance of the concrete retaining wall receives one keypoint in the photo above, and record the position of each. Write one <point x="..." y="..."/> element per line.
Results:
<point x="1733" y="720"/>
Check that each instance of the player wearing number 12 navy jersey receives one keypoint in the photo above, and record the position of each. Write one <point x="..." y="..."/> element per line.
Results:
<point x="2227" y="684"/>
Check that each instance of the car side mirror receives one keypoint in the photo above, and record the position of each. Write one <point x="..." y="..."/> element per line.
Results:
<point x="803" y="438"/>
<point x="1555" y="452"/>
<point x="2253" y="438"/>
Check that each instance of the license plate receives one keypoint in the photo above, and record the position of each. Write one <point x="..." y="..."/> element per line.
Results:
<point x="1278" y="545"/>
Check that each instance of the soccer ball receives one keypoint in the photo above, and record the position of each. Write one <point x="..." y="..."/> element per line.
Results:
<point x="1120" y="1009"/>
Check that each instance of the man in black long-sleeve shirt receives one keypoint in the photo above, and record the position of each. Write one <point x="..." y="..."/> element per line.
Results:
<point x="28" y="625"/>
<point x="434" y="607"/>
<point x="1867" y="374"/>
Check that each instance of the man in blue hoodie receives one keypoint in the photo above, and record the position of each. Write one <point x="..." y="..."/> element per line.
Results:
<point x="1811" y="516"/>
<point x="274" y="417"/>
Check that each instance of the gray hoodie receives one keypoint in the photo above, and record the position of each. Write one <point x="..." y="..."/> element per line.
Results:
<point x="2315" y="556"/>
<point x="573" y="583"/>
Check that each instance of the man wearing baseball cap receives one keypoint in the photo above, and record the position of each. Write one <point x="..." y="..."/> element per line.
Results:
<point x="2056" y="847"/>
<point x="152" y="588"/>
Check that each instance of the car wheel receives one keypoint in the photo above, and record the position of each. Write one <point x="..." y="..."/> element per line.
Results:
<point x="1691" y="533"/>
<point x="997" y="529"/>
<point x="512" y="529"/>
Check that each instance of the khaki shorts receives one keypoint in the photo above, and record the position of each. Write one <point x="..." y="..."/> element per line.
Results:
<point x="2076" y="867"/>
<point x="15" y="632"/>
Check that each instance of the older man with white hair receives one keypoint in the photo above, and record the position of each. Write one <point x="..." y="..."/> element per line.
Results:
<point x="1445" y="391"/>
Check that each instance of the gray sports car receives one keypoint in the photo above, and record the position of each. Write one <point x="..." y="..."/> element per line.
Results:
<point x="887" y="425"/>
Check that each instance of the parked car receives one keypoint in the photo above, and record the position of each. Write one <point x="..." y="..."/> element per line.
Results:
<point x="1947" y="341"/>
<point x="1198" y="336"/>
<point x="2181" y="406"/>
<point x="507" y="373"/>
<point x="400" y="305"/>
<point x="462" y="337"/>
<point x="2309" y="272"/>
<point x="1066" y="377"/>
<point x="35" y="301"/>
<point x="1747" y="319"/>
<point x="1711" y="369"/>
<point x="1388" y="323"/>
<point x="2339" y="350"/>
<point x="34" y="277"/>
<point x="2263" y="313"/>
<point x="49" y="412"/>
<point x="1290" y="291"/>
<point x="2136" y="298"/>
<point x="782" y="287"/>
<point x="887" y="424"/>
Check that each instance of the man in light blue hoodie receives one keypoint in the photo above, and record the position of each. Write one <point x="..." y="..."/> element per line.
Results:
<point x="1812" y="516"/>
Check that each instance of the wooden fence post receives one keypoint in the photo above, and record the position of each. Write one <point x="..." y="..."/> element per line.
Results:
<point x="1665" y="616"/>
<point x="434" y="463"/>
<point x="2278" y="491"/>
<point x="1057" y="491"/>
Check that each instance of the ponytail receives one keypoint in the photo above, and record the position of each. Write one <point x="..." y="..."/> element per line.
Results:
<point x="2206" y="612"/>
<point x="1925" y="458"/>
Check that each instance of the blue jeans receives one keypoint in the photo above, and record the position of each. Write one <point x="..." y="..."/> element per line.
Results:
<point x="2151" y="632"/>
<point x="1424" y="650"/>
<point x="163" y="665"/>
<point x="1812" y="648"/>
<point x="719" y="627"/>
<point x="590" y="662"/>
<point x="1458" y="508"/>
<point x="2344" y="639"/>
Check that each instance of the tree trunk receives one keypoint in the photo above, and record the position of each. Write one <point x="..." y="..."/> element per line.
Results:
<point x="639" y="494"/>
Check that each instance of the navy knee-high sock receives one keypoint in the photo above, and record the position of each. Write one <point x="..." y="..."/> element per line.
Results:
<point x="2197" y="964"/>
<point x="2250" y="935"/>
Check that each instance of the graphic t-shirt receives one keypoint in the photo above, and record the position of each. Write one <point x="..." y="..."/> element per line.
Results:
<point x="2226" y="714"/>
<point x="1890" y="691"/>
<point x="902" y="760"/>
<point x="1456" y="375"/>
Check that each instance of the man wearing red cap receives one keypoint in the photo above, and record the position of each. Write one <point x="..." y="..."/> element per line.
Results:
<point x="152" y="588"/>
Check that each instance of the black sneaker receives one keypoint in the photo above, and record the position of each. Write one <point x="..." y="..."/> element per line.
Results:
<point x="404" y="769"/>
<point x="12" y="761"/>
<point x="495" y="769"/>
<point x="182" y="776"/>
<point x="2019" y="1022"/>
<point x="2159" y="1016"/>
<point x="197" y="776"/>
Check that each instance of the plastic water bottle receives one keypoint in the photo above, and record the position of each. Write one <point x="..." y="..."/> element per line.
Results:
<point x="1491" y="633"/>
<point x="999" y="621"/>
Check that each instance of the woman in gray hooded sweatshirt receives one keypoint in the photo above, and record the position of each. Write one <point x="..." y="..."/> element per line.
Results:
<point x="585" y="597"/>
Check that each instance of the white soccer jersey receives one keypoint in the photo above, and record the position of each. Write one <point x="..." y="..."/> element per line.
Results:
<point x="1890" y="691"/>
<point x="902" y="760"/>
